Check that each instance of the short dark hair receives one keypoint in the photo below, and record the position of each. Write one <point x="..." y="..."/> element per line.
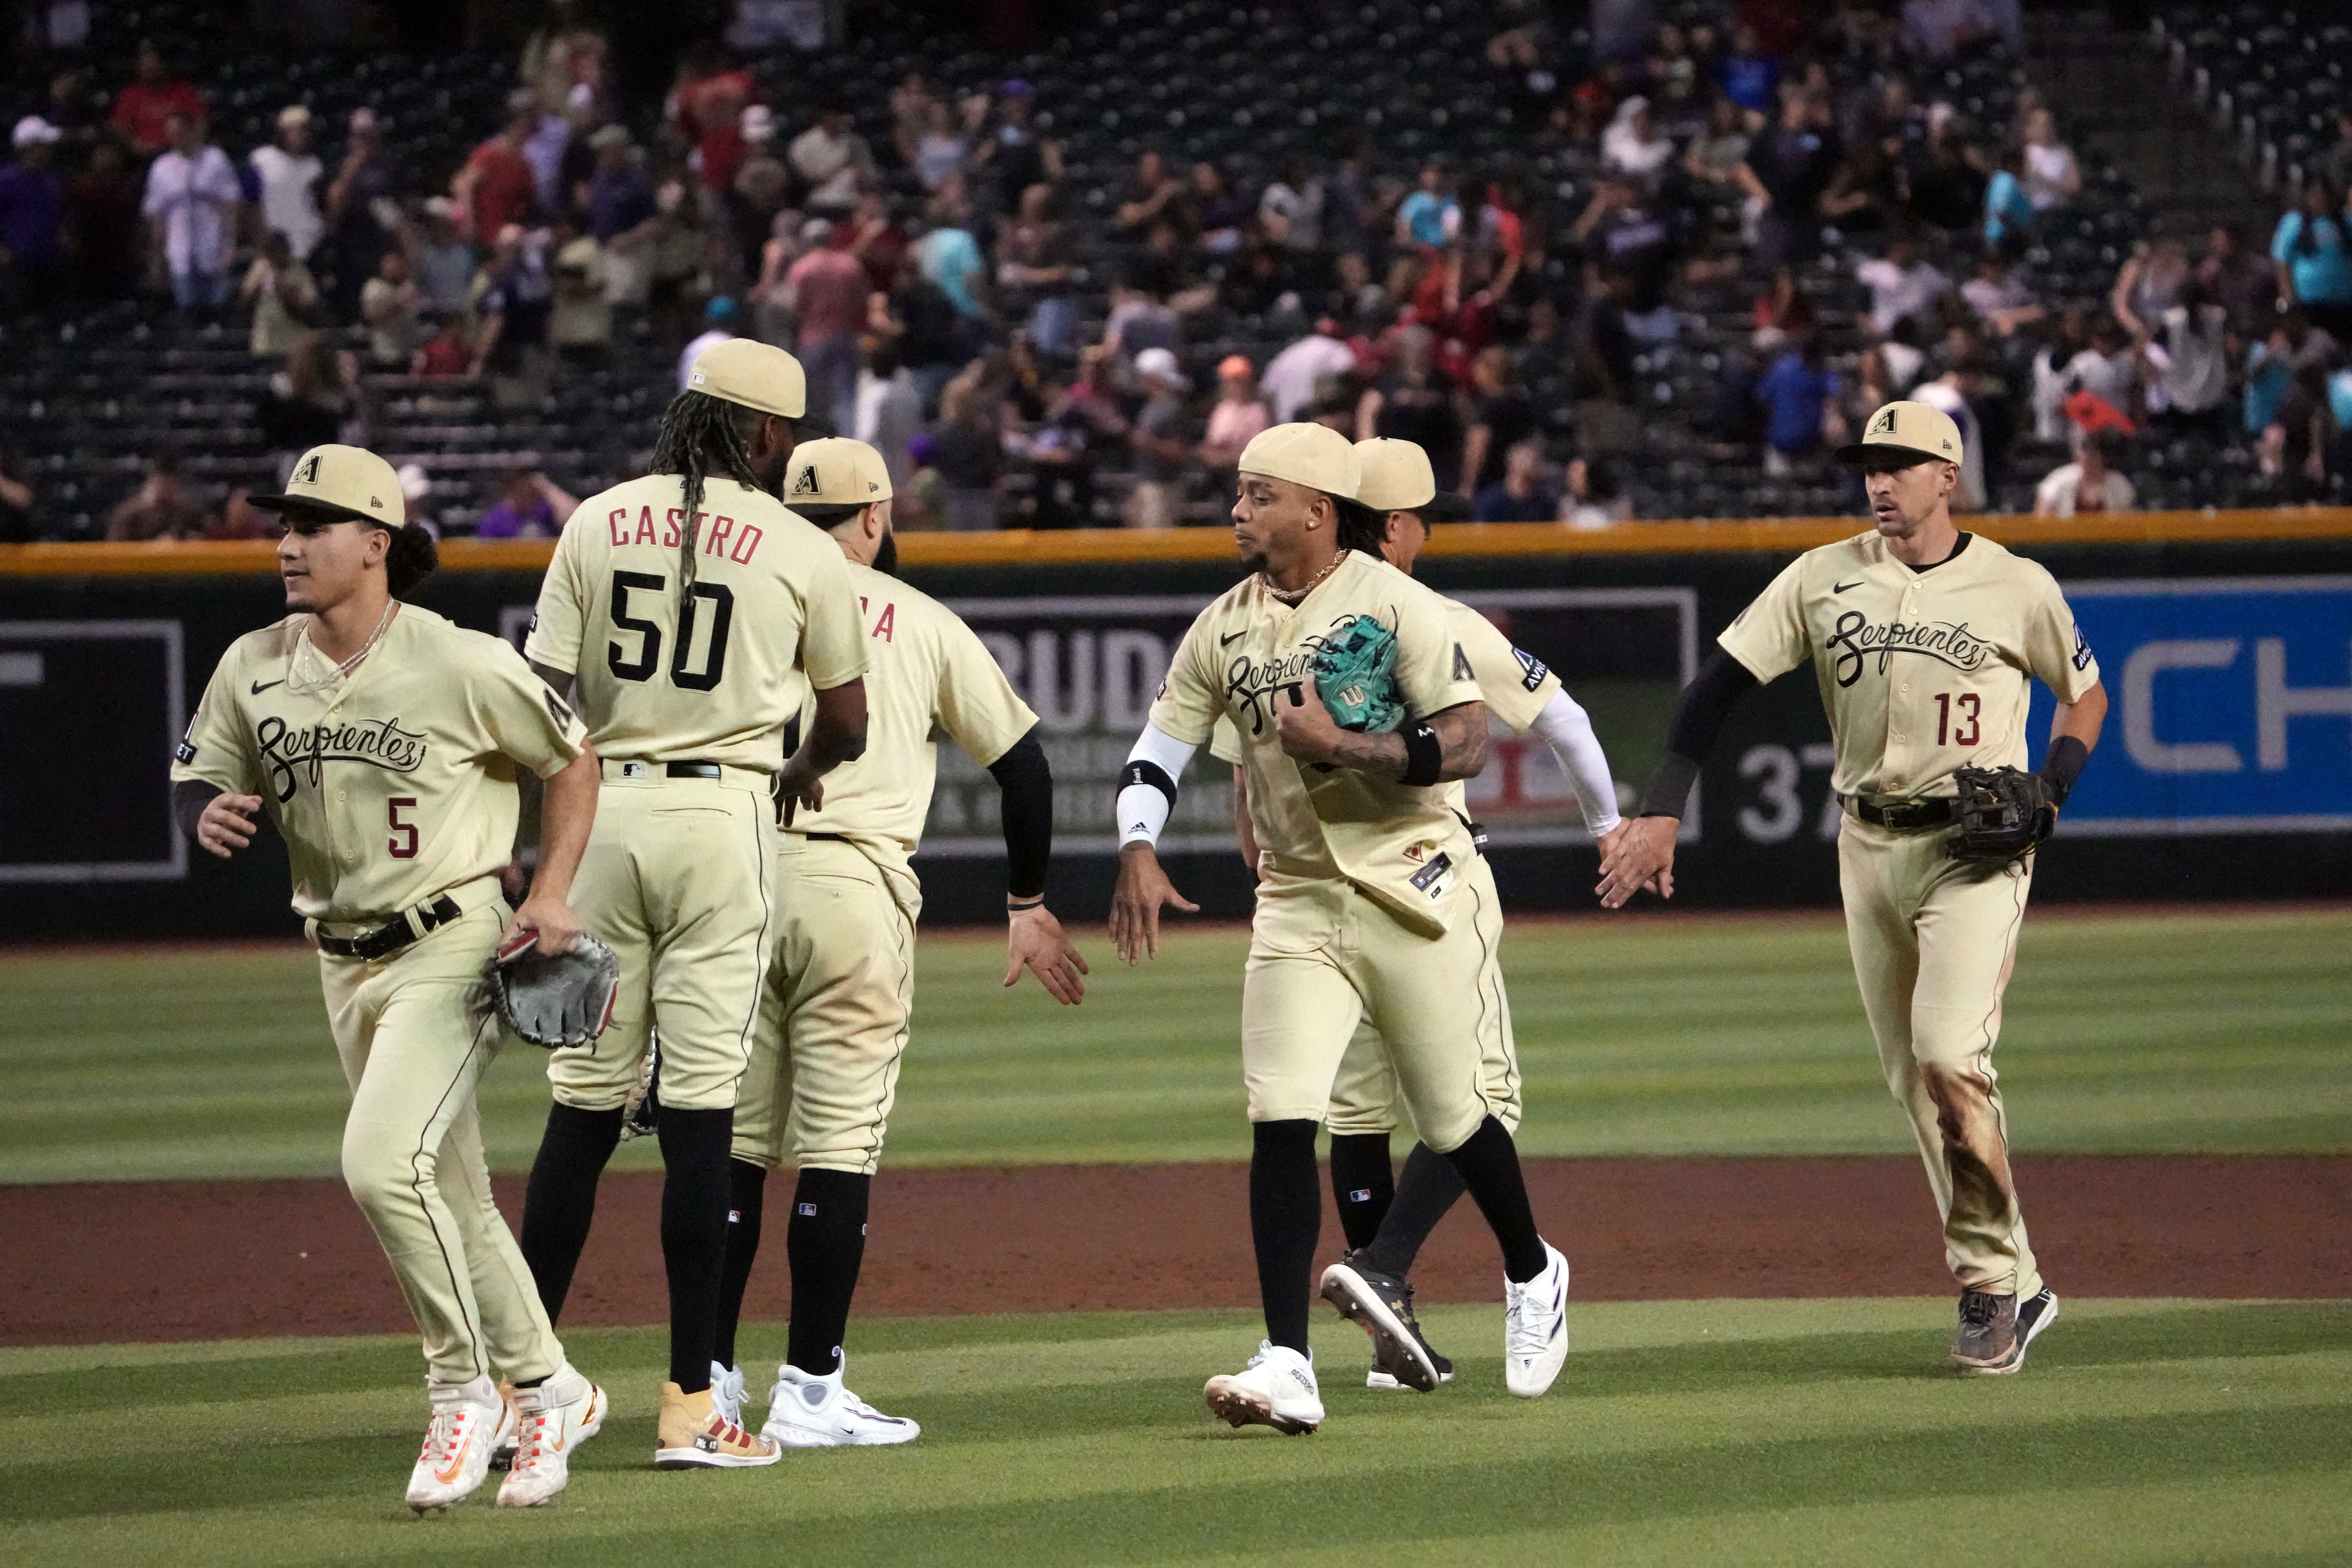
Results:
<point x="830" y="515"/>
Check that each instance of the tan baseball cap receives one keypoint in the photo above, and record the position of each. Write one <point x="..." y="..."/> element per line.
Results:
<point x="1314" y="456"/>
<point x="1927" y="434"/>
<point x="836" y="471"/>
<point x="1396" y="475"/>
<point x="332" y="482"/>
<point x="753" y="374"/>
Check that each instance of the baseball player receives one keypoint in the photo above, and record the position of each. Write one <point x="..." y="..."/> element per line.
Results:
<point x="691" y="616"/>
<point x="1365" y="905"/>
<point x="1925" y="642"/>
<point x="1386" y="1220"/>
<point x="833" y="1021"/>
<point x="383" y="742"/>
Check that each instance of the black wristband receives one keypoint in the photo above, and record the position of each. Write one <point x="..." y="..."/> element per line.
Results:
<point x="1423" y="757"/>
<point x="1668" y="790"/>
<point x="2062" y="766"/>
<point x="1147" y="772"/>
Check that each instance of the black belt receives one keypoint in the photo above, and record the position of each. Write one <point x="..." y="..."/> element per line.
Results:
<point x="692" y="769"/>
<point x="1908" y="815"/>
<point x="828" y="837"/>
<point x="391" y="937"/>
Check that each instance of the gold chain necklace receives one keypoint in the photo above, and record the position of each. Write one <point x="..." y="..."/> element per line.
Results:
<point x="1295" y="596"/>
<point x="308" y="683"/>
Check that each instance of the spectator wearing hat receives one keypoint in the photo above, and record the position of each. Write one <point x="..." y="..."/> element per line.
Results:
<point x="827" y="291"/>
<point x="718" y="326"/>
<point x="415" y="491"/>
<point x="144" y="107"/>
<point x="282" y="295"/>
<point x="622" y="216"/>
<point x="2087" y="484"/>
<point x="831" y="160"/>
<point x="1239" y="412"/>
<point x="498" y="184"/>
<point x="761" y="186"/>
<point x="1009" y="153"/>
<point x="288" y="173"/>
<point x="362" y="215"/>
<point x="442" y="259"/>
<point x="191" y="206"/>
<point x="32" y="218"/>
<point x="581" y="325"/>
<point x="511" y="343"/>
<point x="1158" y="438"/>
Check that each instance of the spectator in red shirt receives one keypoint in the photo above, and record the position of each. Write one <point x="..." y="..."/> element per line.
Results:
<point x="496" y="186"/>
<point x="153" y="95"/>
<point x="828" y="288"/>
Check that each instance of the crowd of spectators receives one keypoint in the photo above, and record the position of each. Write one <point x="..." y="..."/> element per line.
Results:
<point x="1026" y="347"/>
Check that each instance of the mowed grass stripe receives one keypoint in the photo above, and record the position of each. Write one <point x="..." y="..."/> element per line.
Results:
<point x="1081" y="1439"/>
<point x="2124" y="1034"/>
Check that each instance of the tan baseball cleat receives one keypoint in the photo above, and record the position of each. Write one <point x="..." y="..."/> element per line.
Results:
<point x="693" y="1435"/>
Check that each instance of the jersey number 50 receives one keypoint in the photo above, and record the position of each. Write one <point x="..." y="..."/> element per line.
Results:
<point x="717" y="595"/>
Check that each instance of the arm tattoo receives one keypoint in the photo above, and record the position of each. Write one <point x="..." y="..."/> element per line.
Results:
<point x="1461" y="734"/>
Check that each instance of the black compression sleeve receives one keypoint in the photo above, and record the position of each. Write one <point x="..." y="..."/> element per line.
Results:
<point x="1706" y="702"/>
<point x="189" y="798"/>
<point x="2064" y="765"/>
<point x="1027" y="780"/>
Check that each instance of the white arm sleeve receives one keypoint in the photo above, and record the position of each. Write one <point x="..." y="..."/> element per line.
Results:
<point x="1568" y="731"/>
<point x="1148" y="784"/>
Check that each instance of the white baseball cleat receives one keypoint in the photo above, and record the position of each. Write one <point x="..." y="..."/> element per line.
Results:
<point x="727" y="1391"/>
<point x="808" y="1411"/>
<point x="1535" y="1327"/>
<point x="457" y="1444"/>
<point x="502" y="1447"/>
<point x="557" y="1416"/>
<point x="1276" y="1389"/>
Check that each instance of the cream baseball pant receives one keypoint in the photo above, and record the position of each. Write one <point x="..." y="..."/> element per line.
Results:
<point x="1325" y="956"/>
<point x="1364" y="1098"/>
<point x="678" y="880"/>
<point x="414" y="1031"/>
<point x="1934" y="940"/>
<point x="834" y="1019"/>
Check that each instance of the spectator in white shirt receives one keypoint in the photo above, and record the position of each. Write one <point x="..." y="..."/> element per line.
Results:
<point x="887" y="408"/>
<point x="2001" y="300"/>
<point x="831" y="159"/>
<point x="1901" y="284"/>
<point x="2189" y="356"/>
<point x="191" y="204"/>
<point x="1290" y="376"/>
<point x="2085" y="485"/>
<point x="2052" y="175"/>
<point x="288" y="175"/>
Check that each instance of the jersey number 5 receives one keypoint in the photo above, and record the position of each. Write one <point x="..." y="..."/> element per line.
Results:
<point x="717" y="595"/>
<point x="402" y="843"/>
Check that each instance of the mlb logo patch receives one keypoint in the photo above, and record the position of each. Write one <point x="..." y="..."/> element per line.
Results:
<point x="806" y="1211"/>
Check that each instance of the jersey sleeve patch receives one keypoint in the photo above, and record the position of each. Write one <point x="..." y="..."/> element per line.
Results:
<point x="2082" y="649"/>
<point x="1461" y="670"/>
<point x="1532" y="669"/>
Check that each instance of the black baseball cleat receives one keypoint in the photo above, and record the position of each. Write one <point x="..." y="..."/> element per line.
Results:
<point x="1382" y="1305"/>
<point x="1996" y="1329"/>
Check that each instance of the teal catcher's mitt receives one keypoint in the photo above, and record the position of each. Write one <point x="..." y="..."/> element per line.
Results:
<point x="1355" y="674"/>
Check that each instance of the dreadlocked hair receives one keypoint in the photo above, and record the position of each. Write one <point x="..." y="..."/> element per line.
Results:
<point x="1361" y="528"/>
<point x="700" y="435"/>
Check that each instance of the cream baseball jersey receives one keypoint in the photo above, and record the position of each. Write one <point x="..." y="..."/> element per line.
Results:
<point x="1515" y="685"/>
<point x="1921" y="673"/>
<point x="393" y="784"/>
<point x="927" y="676"/>
<point x="712" y="674"/>
<point x="1248" y="650"/>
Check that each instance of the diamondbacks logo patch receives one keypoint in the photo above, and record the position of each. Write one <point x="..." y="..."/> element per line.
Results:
<point x="805" y="483"/>
<point x="308" y="474"/>
<point x="1885" y="424"/>
<point x="1461" y="670"/>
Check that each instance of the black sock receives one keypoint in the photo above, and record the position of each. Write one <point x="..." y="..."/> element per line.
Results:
<point x="1424" y="1194"/>
<point x="693" y="1145"/>
<point x="1286" y="1222"/>
<point x="560" y="1205"/>
<point x="748" y="1185"/>
<point x="1489" y="1166"/>
<point x="827" y="1244"/>
<point x="1361" y="1183"/>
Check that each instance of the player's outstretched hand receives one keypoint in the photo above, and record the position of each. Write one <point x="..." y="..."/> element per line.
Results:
<point x="799" y="785"/>
<point x="1034" y="941"/>
<point x="226" y="825"/>
<point x="1642" y="854"/>
<point x="1304" y="726"/>
<point x="1135" y="904"/>
<point x="551" y="918"/>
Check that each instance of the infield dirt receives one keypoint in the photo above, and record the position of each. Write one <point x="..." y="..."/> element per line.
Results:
<point x="92" y="1262"/>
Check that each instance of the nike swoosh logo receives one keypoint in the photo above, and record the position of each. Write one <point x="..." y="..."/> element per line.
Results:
<point x="261" y="686"/>
<point x="1229" y="636"/>
<point x="1842" y="587"/>
<point x="456" y="1464"/>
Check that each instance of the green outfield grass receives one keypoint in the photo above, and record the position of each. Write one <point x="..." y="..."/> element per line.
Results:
<point x="2131" y="1033"/>
<point x="1719" y="1432"/>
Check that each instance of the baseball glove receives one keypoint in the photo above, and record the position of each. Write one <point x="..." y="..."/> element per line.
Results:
<point x="640" y="1112"/>
<point x="2003" y="812"/>
<point x="1355" y="674"/>
<point x="555" y="1000"/>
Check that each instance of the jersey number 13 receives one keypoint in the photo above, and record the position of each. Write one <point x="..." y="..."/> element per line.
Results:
<point x="717" y="595"/>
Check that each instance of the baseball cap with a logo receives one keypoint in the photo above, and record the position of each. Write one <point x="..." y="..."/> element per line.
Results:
<point x="753" y="374"/>
<point x="1314" y="456"/>
<point x="332" y="483"/>
<point x="836" y="471"/>
<point x="1927" y="435"/>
